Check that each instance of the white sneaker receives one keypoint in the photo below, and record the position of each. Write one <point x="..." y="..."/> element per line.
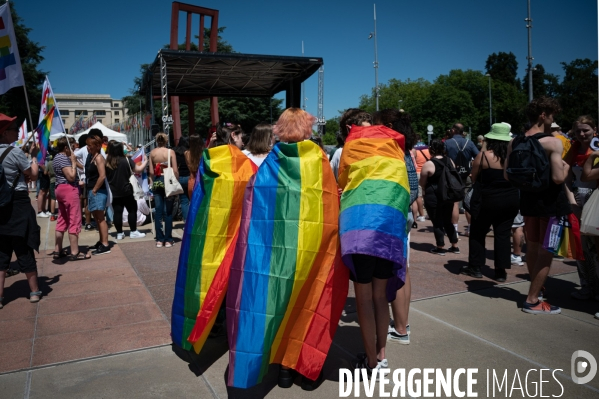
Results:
<point x="421" y="219"/>
<point x="517" y="260"/>
<point x="120" y="236"/>
<point x="136" y="234"/>
<point x="383" y="364"/>
<point x="43" y="215"/>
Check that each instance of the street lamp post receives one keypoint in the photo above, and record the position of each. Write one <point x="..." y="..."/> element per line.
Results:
<point x="490" y="103"/>
<point x="530" y="57"/>
<point x="376" y="63"/>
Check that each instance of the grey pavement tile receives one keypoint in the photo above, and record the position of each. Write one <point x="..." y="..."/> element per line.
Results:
<point x="13" y="385"/>
<point x="154" y="373"/>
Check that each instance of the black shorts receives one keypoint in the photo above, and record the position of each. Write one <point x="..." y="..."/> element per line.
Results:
<point x="368" y="266"/>
<point x="25" y="255"/>
<point x="44" y="182"/>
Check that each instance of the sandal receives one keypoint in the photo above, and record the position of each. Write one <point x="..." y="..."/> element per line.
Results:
<point x="80" y="256"/>
<point x="63" y="253"/>
<point x="38" y="294"/>
<point x="159" y="244"/>
<point x="168" y="244"/>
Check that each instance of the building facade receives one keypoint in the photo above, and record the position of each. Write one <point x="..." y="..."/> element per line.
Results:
<point x="106" y="109"/>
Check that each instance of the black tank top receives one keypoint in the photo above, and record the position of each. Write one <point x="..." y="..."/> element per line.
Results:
<point x="91" y="172"/>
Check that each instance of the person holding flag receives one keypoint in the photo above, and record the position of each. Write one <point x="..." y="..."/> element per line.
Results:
<point x="19" y="231"/>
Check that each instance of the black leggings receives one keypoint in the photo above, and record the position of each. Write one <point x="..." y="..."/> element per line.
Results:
<point x="118" y="204"/>
<point x="440" y="215"/>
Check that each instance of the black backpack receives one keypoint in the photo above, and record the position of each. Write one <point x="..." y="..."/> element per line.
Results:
<point x="528" y="167"/>
<point x="463" y="164"/>
<point x="450" y="187"/>
<point x="6" y="190"/>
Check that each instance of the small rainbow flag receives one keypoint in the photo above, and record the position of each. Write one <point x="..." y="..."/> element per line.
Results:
<point x="287" y="285"/>
<point x="208" y="244"/>
<point x="43" y="132"/>
<point x="375" y="200"/>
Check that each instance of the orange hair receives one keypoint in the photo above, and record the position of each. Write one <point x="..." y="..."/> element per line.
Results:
<point x="294" y="125"/>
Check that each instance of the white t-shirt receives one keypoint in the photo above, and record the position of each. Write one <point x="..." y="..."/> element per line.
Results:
<point x="335" y="160"/>
<point x="257" y="160"/>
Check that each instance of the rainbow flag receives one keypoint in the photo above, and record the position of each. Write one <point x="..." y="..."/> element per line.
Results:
<point x="375" y="200"/>
<point x="287" y="285"/>
<point x="208" y="244"/>
<point x="43" y="132"/>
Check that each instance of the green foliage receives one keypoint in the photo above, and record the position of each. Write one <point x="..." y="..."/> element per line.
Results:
<point x="503" y="67"/>
<point x="330" y="132"/>
<point x="577" y="93"/>
<point x="13" y="101"/>
<point x="246" y="111"/>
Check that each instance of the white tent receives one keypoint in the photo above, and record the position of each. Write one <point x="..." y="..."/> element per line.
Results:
<point x="111" y="134"/>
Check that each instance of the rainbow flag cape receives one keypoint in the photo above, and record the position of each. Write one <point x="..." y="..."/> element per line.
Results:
<point x="43" y="132"/>
<point x="208" y="244"/>
<point x="287" y="286"/>
<point x="375" y="200"/>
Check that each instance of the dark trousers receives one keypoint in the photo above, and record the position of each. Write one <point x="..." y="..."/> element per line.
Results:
<point x="500" y="215"/>
<point x="25" y="256"/>
<point x="118" y="204"/>
<point x="441" y="217"/>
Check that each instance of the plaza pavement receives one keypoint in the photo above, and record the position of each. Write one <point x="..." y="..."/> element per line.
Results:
<point x="102" y="328"/>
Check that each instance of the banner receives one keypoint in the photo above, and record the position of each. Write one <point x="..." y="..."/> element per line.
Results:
<point x="48" y="101"/>
<point x="43" y="130"/>
<point x="11" y="74"/>
<point x="22" y="139"/>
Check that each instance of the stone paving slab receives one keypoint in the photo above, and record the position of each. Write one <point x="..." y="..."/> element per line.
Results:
<point x="482" y="330"/>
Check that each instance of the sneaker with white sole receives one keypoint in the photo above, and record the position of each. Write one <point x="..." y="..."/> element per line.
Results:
<point x="136" y="234"/>
<point x="102" y="250"/>
<point x="120" y="236"/>
<point x="541" y="307"/>
<point x="43" y="215"/>
<point x="396" y="337"/>
<point x="517" y="260"/>
<point x="421" y="219"/>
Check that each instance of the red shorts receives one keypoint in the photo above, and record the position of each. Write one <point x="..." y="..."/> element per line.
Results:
<point x="69" y="209"/>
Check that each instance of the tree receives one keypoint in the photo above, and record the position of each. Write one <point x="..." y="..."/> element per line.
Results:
<point x="503" y="67"/>
<point x="577" y="94"/>
<point x="543" y="83"/>
<point x="13" y="101"/>
<point x="331" y="130"/>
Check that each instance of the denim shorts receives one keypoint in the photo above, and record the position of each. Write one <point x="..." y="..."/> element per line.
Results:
<point x="97" y="202"/>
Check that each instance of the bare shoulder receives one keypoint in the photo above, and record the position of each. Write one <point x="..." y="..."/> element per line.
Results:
<point x="551" y="144"/>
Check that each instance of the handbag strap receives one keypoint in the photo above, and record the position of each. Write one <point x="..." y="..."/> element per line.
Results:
<point x="168" y="157"/>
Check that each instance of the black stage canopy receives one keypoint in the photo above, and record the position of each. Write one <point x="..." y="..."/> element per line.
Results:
<point x="204" y="74"/>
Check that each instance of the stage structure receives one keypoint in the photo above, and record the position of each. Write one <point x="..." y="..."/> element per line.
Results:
<point x="188" y="76"/>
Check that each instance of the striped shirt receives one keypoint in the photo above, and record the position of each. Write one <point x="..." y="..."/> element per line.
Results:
<point x="62" y="161"/>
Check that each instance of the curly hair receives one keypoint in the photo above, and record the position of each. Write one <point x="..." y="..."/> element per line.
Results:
<point x="352" y="116"/>
<point x="437" y="147"/>
<point x="401" y="122"/>
<point x="542" y="104"/>
<point x="294" y="125"/>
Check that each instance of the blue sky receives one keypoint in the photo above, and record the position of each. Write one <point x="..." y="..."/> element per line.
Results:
<point x="97" y="47"/>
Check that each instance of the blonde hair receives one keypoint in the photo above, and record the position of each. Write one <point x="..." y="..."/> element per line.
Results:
<point x="294" y="125"/>
<point x="585" y="120"/>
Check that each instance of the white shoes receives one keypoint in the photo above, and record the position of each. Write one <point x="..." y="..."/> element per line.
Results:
<point x="43" y="214"/>
<point x="120" y="236"/>
<point x="136" y="234"/>
<point x="421" y="219"/>
<point x="517" y="260"/>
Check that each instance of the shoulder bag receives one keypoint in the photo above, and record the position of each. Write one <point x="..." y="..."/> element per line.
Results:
<point x="171" y="183"/>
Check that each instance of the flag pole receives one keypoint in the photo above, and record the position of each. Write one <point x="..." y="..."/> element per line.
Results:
<point x="29" y="112"/>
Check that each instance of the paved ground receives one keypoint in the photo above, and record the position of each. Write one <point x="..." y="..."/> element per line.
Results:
<point x="102" y="330"/>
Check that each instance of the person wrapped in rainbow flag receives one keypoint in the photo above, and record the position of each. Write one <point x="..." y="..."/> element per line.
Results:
<point x="278" y="262"/>
<point x="373" y="225"/>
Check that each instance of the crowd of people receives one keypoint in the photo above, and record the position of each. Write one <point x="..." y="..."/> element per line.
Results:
<point x="388" y="181"/>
